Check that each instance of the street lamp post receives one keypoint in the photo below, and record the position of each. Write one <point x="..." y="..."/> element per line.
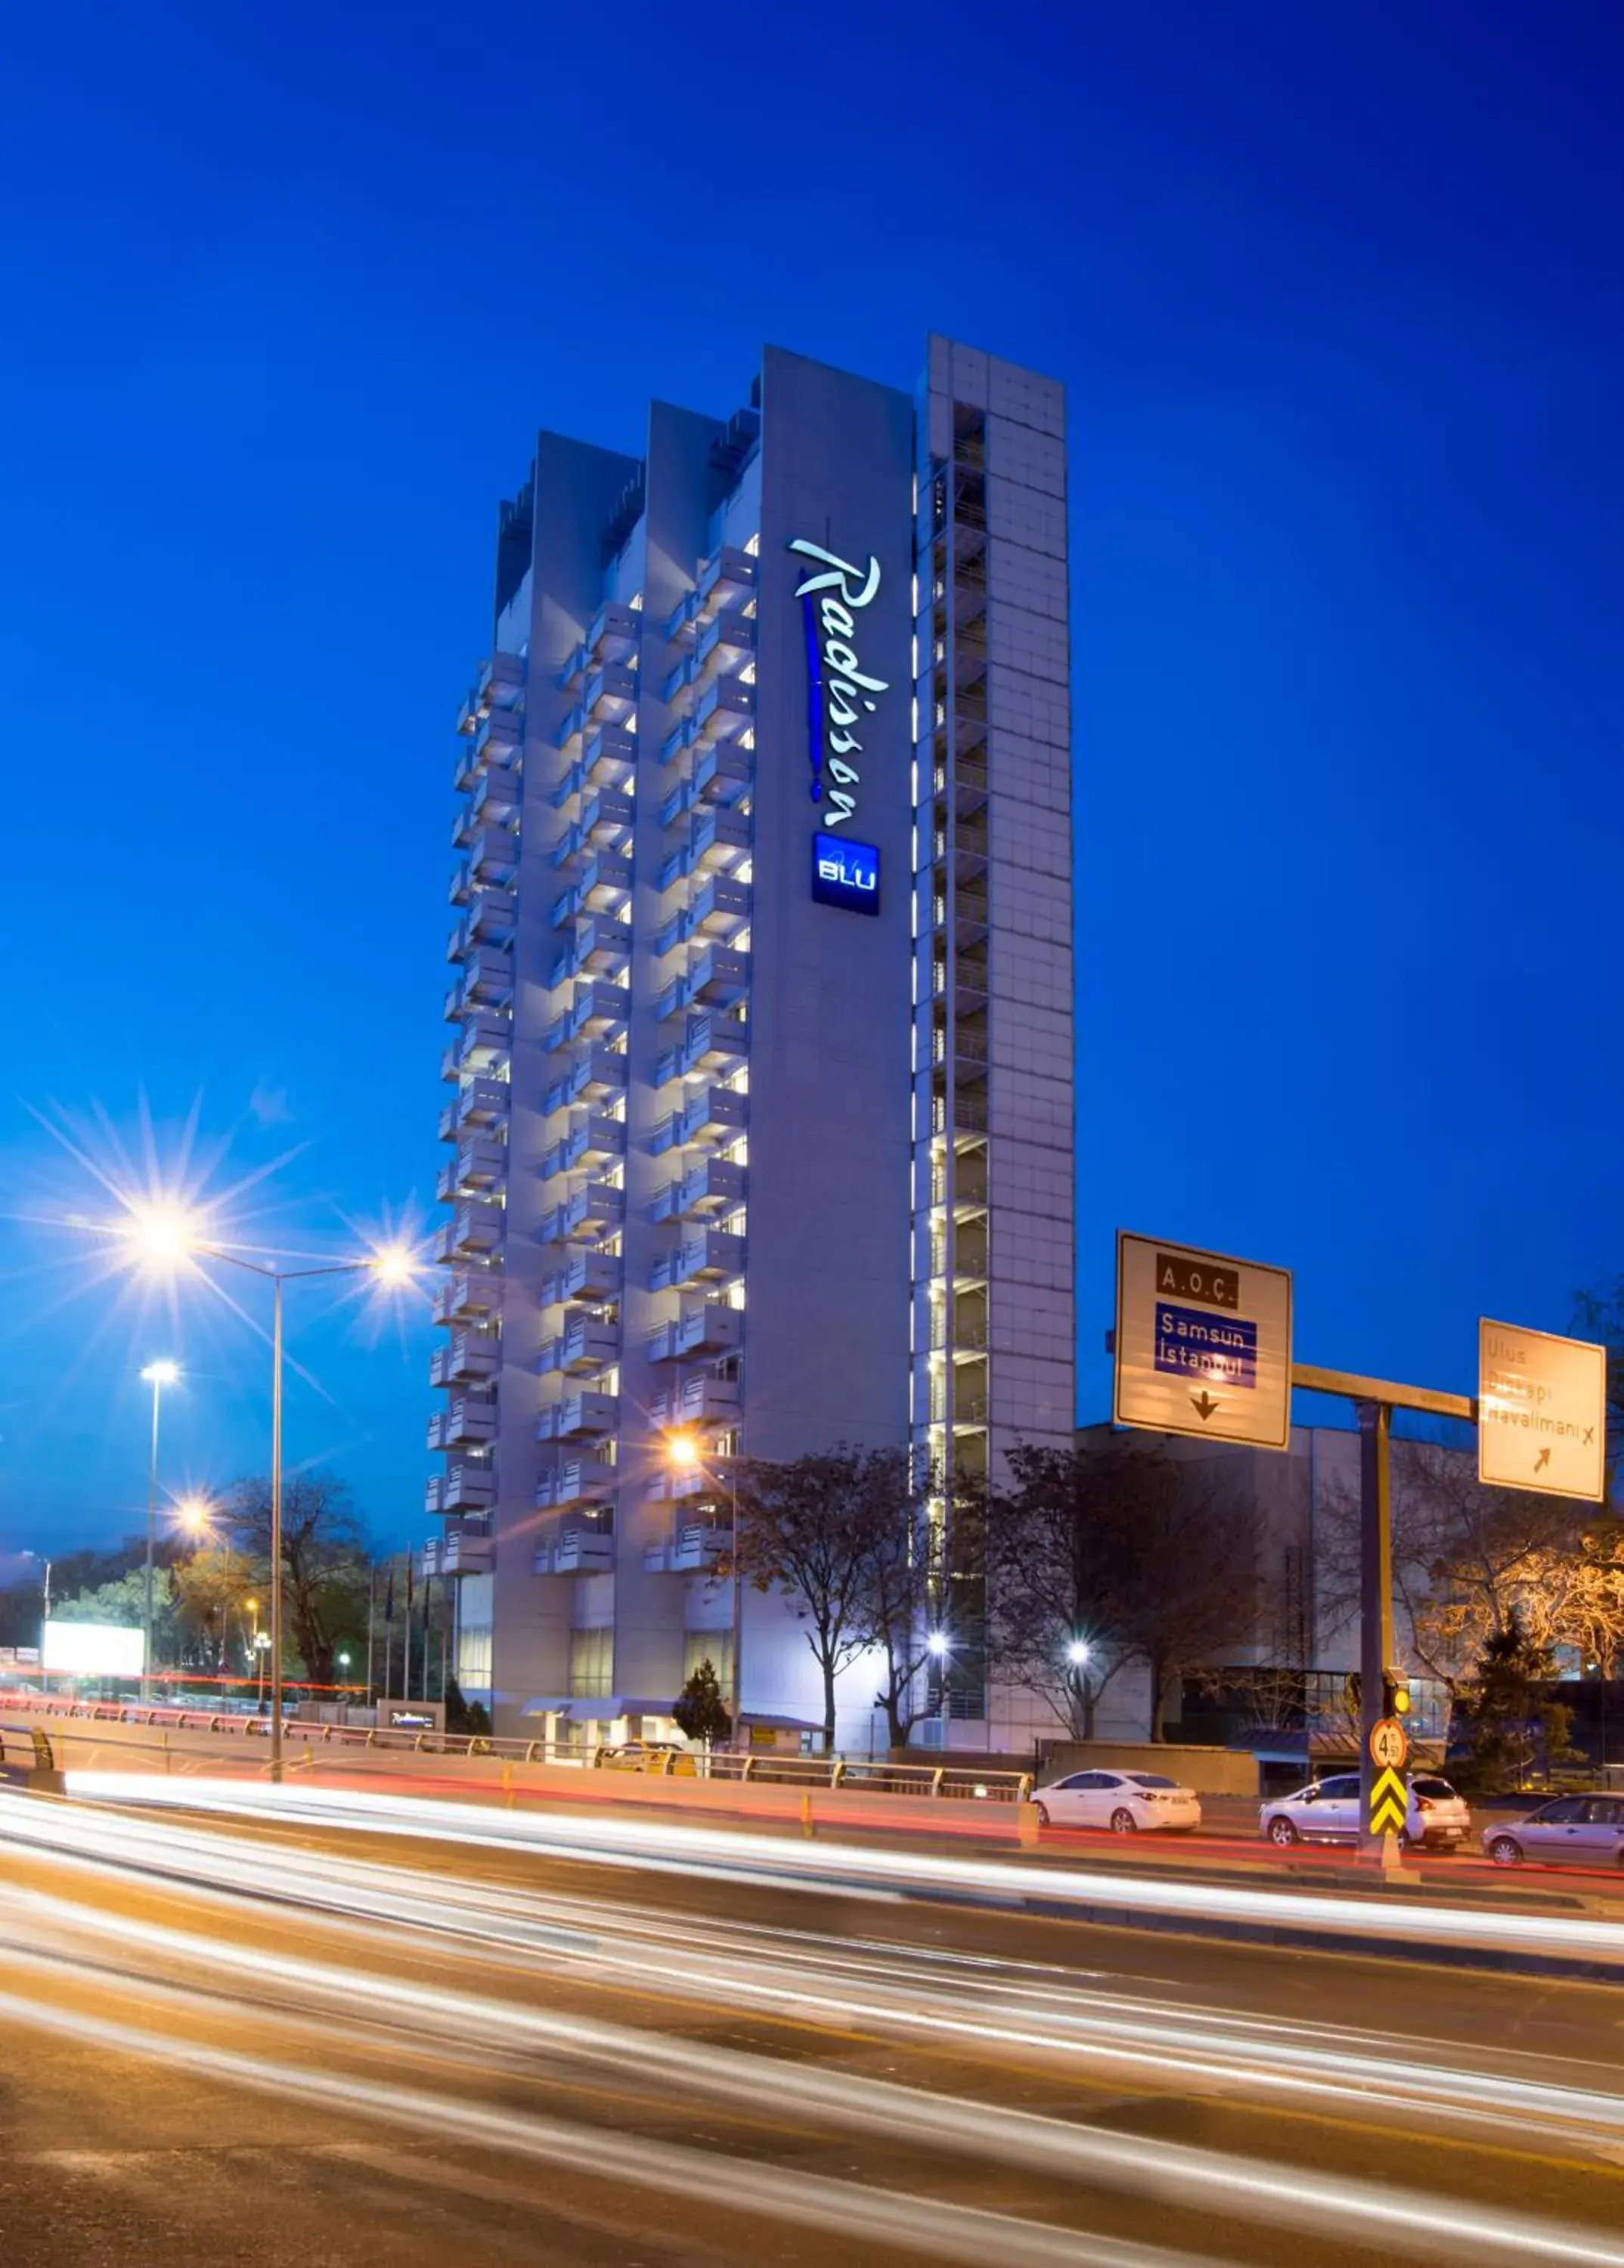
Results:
<point x="165" y="1238"/>
<point x="156" y="1376"/>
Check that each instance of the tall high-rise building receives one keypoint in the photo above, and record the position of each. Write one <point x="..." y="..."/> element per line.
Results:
<point x="761" y="1057"/>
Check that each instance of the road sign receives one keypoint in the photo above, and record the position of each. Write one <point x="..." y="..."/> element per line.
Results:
<point x="1203" y="1343"/>
<point x="1390" y="1804"/>
<point x="1542" y="1412"/>
<point x="1390" y="1744"/>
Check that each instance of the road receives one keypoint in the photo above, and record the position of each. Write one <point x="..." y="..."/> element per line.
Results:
<point x="343" y="2037"/>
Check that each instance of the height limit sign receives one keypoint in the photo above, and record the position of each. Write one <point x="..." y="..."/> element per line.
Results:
<point x="1203" y="1343"/>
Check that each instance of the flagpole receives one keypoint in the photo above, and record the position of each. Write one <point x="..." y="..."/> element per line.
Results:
<point x="371" y="1579"/>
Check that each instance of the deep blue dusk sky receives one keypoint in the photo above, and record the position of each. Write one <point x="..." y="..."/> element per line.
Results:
<point x="1336" y="295"/>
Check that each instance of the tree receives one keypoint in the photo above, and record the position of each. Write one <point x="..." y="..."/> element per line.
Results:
<point x="323" y="1562"/>
<point x="806" y="1530"/>
<point x="925" y="1525"/>
<point x="699" y="1711"/>
<point x="1110" y="1554"/>
<point x="211" y="1590"/>
<point x="1517" y="1727"/>
<point x="465" y="1716"/>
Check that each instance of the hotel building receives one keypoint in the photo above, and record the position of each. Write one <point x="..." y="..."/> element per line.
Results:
<point x="758" y="1078"/>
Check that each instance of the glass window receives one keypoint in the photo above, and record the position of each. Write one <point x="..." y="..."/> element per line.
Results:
<point x="1081" y="1781"/>
<point x="1604" y="1811"/>
<point x="592" y="1663"/>
<point x="1430" y="1784"/>
<point x="474" y="1659"/>
<point x="715" y="1647"/>
<point x="1561" y="1813"/>
<point x="1151" y="1779"/>
<point x="1339" y="1789"/>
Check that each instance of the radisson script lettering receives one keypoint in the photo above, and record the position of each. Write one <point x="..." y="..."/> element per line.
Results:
<point x="841" y="694"/>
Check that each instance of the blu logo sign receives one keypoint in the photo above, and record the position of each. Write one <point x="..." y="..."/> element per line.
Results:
<point x="846" y="873"/>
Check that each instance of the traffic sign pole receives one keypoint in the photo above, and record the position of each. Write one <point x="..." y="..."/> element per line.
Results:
<point x="1376" y="1646"/>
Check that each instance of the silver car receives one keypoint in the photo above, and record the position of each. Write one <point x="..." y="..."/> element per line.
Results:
<point x="1327" y="1811"/>
<point x="1580" y="1830"/>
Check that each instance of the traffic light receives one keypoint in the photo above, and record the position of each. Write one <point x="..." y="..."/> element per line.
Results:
<point x="1395" y="1693"/>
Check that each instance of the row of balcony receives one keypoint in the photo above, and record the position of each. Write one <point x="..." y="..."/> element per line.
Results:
<point x="709" y="1114"/>
<point x="577" y="1552"/>
<point x="576" y="1480"/>
<point x="500" y="685"/>
<point x="608" y="695"/>
<point x="495" y="802"/>
<point x="721" y="777"/>
<point x="724" y="645"/>
<point x="592" y="1276"/>
<point x="715" y="1256"/>
<point x="491" y="863"/>
<point x="468" y="1421"/>
<point x="601" y="946"/>
<point x="469" y="1486"/>
<point x="714" y="1185"/>
<point x="606" y="765"/>
<point x="476" y="1230"/>
<point x="471" y="1353"/>
<point x="718" y="840"/>
<point x="605" y="823"/>
<point x="700" y="1400"/>
<point x="470" y="1294"/>
<point x="693" y="1549"/>
<point x="716" y="1043"/>
<point x="486" y="981"/>
<point x="602" y="886"/>
<point x="593" y="1138"/>
<point x="492" y="917"/>
<point x="579" y="1415"/>
<point x="479" y="1103"/>
<point x="484" y="1045"/>
<point x="496" y="743"/>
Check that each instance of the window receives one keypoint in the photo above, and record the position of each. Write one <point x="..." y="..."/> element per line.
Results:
<point x="1151" y="1779"/>
<point x="1604" y="1811"/>
<point x="1430" y="1784"/>
<point x="592" y="1662"/>
<point x="715" y="1647"/>
<point x="474" y="1655"/>
<point x="1561" y="1813"/>
<point x="1335" y="1790"/>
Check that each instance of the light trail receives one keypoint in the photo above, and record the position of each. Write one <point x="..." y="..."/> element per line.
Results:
<point x="341" y="2008"/>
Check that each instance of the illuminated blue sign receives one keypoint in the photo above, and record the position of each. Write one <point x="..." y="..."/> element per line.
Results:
<point x="846" y="873"/>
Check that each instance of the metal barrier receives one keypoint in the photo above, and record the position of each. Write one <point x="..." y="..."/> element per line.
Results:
<point x="850" y="1775"/>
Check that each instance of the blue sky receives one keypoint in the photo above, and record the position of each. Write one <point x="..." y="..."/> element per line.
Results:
<point x="1335" y="293"/>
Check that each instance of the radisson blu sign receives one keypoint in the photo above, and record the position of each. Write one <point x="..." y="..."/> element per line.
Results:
<point x="841" y="696"/>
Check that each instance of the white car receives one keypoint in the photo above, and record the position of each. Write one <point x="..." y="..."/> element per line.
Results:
<point x="1122" y="1801"/>
<point x="1327" y="1811"/>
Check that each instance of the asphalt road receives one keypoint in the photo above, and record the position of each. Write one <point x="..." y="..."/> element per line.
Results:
<point x="227" y="2042"/>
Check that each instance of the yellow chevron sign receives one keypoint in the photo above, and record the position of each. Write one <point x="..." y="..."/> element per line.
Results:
<point x="1390" y="1805"/>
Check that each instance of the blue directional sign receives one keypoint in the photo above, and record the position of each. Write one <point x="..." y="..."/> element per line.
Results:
<point x="846" y="873"/>
<point x="1197" y="1343"/>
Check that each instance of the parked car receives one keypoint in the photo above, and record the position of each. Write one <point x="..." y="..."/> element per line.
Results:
<point x="1327" y="1811"/>
<point x="1585" y="1831"/>
<point x="1122" y="1801"/>
<point x="645" y="1756"/>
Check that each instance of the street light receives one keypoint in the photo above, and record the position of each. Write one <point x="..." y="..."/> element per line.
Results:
<point x="1077" y="1652"/>
<point x="937" y="1642"/>
<point x="164" y="1236"/>
<point x="156" y="1376"/>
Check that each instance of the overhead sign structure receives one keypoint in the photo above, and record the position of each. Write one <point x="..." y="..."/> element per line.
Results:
<point x="1389" y="1745"/>
<point x="1203" y="1343"/>
<point x="1542" y="1412"/>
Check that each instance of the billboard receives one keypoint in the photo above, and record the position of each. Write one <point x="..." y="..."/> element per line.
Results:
<point x="92" y="1650"/>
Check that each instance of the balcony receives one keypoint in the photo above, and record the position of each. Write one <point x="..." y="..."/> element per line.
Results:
<point x="478" y="1165"/>
<point x="484" y="1042"/>
<point x="492" y="856"/>
<point x="712" y="1113"/>
<point x="607" y="821"/>
<point x="467" y="1295"/>
<point x="492" y="917"/>
<point x="721" y="905"/>
<point x="499" y="739"/>
<point x="713" y="1256"/>
<point x="610" y="693"/>
<point x="467" y="1422"/>
<point x="483" y="1102"/>
<point x="727" y="642"/>
<point x="597" y="1071"/>
<point x="598" y="1007"/>
<point x="501" y="681"/>
<point x="613" y="635"/>
<point x="714" y="1185"/>
<point x="462" y="1488"/>
<point x="487" y="978"/>
<point x="477" y="1227"/>
<point x="593" y="1208"/>
<point x="578" y="1551"/>
<point x="465" y="1549"/>
<point x="496" y="800"/>
<point x="470" y="1354"/>
<point x="723" y="710"/>
<point x="608" y="757"/>
<point x="718" y="977"/>
<point x="728" y="579"/>
<point x="603" y="946"/>
<point x="720" y="838"/>
<point x="581" y="1415"/>
<point x="587" y="1344"/>
<point x="593" y="1137"/>
<point x="576" y="1480"/>
<point x="697" y="1400"/>
<point x="605" y="880"/>
<point x="715" y="1044"/>
<point x="721" y="774"/>
<point x="700" y="1327"/>
<point x="590" y="1276"/>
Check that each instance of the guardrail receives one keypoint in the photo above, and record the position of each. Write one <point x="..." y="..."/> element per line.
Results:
<point x="760" y="1768"/>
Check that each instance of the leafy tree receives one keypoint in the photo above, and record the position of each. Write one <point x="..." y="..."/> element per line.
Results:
<point x="1517" y="1727"/>
<point x="465" y="1716"/>
<point x="323" y="1562"/>
<point x="699" y="1711"/>
<point x="806" y="1530"/>
<point x="211" y="1589"/>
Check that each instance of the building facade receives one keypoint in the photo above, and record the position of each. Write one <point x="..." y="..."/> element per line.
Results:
<point x="759" y="1074"/>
